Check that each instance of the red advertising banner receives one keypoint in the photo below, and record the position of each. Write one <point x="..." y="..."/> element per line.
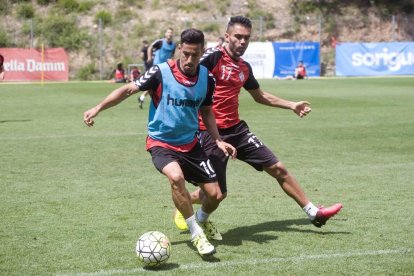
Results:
<point x="35" y="64"/>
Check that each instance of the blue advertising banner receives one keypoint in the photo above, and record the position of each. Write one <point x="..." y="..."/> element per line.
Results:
<point x="288" y="54"/>
<point x="375" y="59"/>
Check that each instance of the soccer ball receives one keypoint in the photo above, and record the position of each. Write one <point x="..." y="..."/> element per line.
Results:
<point x="153" y="248"/>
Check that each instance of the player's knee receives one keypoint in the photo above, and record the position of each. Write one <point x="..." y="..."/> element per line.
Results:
<point x="278" y="171"/>
<point x="222" y="196"/>
<point x="213" y="193"/>
<point x="176" y="179"/>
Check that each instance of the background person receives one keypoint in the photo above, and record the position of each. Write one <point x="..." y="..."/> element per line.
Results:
<point x="159" y="51"/>
<point x="300" y="71"/>
<point x="118" y="75"/>
<point x="162" y="49"/>
<point x="1" y="68"/>
<point x="144" y="55"/>
<point x="134" y="74"/>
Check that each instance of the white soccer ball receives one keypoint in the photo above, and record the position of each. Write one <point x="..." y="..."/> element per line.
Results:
<point x="153" y="248"/>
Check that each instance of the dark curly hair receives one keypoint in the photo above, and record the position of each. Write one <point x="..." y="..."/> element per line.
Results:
<point x="192" y="36"/>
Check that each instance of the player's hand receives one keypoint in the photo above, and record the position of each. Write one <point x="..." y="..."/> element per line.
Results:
<point x="227" y="149"/>
<point x="89" y="115"/>
<point x="302" y="108"/>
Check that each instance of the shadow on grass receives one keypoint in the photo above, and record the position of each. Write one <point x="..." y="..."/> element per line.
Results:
<point x="254" y="233"/>
<point x="163" y="267"/>
<point x="171" y="266"/>
<point x="262" y="233"/>
<point x="14" y="121"/>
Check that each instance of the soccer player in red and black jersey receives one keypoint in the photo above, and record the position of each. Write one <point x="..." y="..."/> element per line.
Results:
<point x="300" y="71"/>
<point x="1" y="68"/>
<point x="232" y="73"/>
<point x="180" y="91"/>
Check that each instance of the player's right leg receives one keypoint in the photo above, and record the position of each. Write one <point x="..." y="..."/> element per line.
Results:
<point x="218" y="161"/>
<point x="165" y="161"/>
<point x="182" y="202"/>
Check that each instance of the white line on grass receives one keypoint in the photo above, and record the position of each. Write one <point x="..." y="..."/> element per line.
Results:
<point x="64" y="136"/>
<point x="206" y="265"/>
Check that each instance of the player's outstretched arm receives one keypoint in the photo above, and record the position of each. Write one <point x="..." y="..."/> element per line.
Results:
<point x="210" y="121"/>
<point x="301" y="108"/>
<point x="114" y="98"/>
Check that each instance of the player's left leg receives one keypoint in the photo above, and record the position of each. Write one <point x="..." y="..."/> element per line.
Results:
<point x="288" y="183"/>
<point x="317" y="215"/>
<point x="253" y="151"/>
<point x="210" y="201"/>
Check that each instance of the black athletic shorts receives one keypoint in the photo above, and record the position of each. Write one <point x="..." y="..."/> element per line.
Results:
<point x="195" y="165"/>
<point x="249" y="149"/>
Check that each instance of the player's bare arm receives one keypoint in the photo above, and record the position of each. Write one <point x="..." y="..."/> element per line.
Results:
<point x="114" y="98"/>
<point x="210" y="122"/>
<point x="149" y="53"/>
<point x="301" y="108"/>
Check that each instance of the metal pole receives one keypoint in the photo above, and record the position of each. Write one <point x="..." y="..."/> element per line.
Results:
<point x="100" y="50"/>
<point x="31" y="33"/>
<point x="319" y="28"/>
<point x="393" y="27"/>
<point x="320" y="43"/>
<point x="261" y="28"/>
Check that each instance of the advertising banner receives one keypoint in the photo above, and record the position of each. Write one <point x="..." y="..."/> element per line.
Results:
<point x="375" y="59"/>
<point x="288" y="54"/>
<point x="35" y="64"/>
<point x="279" y="59"/>
<point x="261" y="57"/>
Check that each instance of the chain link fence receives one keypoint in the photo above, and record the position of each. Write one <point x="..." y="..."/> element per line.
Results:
<point x="326" y="29"/>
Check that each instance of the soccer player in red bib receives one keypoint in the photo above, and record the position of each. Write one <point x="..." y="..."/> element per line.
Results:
<point x="180" y="91"/>
<point x="232" y="73"/>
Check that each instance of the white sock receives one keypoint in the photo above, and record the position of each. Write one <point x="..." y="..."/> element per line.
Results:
<point x="142" y="98"/>
<point x="201" y="215"/>
<point x="311" y="210"/>
<point x="195" y="229"/>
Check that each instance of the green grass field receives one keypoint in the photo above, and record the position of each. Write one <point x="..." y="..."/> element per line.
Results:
<point x="75" y="199"/>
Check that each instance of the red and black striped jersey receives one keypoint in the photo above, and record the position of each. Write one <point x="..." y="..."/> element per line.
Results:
<point x="231" y="75"/>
